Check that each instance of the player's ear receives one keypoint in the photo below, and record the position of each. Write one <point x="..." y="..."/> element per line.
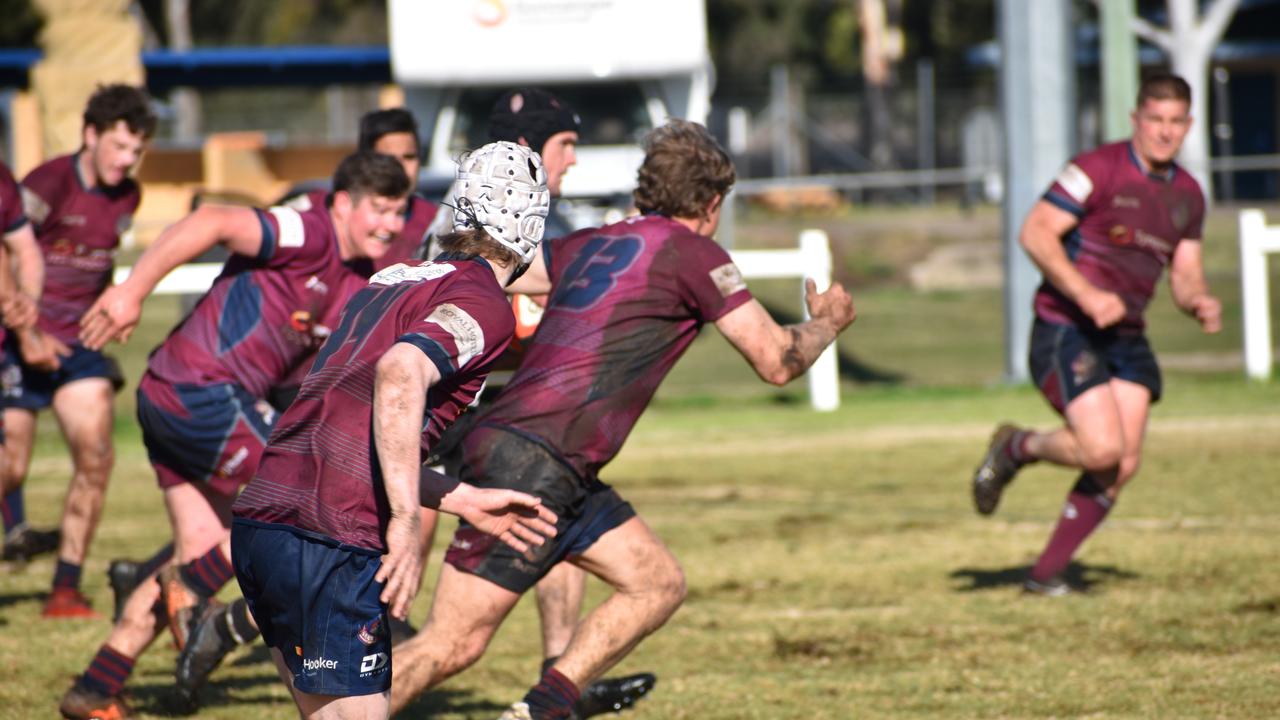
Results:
<point x="343" y="203"/>
<point x="713" y="205"/>
<point x="89" y="136"/>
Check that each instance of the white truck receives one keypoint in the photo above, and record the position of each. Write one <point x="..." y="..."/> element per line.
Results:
<point x="624" y="65"/>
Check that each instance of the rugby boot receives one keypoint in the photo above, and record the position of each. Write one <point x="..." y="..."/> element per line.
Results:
<point x="24" y="543"/>
<point x="68" y="603"/>
<point x="80" y="703"/>
<point x="207" y="645"/>
<point x="181" y="604"/>
<point x="1055" y="586"/>
<point x="612" y="695"/>
<point x="996" y="471"/>
<point x="518" y="711"/>
<point x="124" y="577"/>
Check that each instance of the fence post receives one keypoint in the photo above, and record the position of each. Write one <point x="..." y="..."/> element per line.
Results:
<point x="1255" y="295"/>
<point x="824" y="376"/>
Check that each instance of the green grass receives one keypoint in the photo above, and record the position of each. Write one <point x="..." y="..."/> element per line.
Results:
<point x="835" y="566"/>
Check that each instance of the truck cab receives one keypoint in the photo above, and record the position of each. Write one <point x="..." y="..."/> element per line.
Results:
<point x="624" y="66"/>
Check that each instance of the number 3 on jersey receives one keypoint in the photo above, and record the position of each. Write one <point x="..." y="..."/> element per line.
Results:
<point x="595" y="270"/>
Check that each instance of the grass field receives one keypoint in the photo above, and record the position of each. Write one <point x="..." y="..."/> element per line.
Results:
<point x="835" y="566"/>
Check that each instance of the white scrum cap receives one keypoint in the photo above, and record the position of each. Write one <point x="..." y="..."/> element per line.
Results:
<point x="502" y="187"/>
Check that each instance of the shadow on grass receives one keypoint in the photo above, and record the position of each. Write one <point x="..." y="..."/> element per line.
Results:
<point x="1079" y="576"/>
<point x="460" y="702"/>
<point x="849" y="366"/>
<point x="8" y="599"/>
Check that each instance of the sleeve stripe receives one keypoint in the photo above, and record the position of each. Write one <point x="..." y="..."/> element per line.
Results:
<point x="268" y="248"/>
<point x="1064" y="203"/>
<point x="17" y="224"/>
<point x="434" y="351"/>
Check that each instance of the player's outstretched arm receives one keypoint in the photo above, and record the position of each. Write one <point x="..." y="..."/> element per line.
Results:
<point x="517" y="519"/>
<point x="399" y="401"/>
<point x="1041" y="237"/>
<point x="781" y="353"/>
<point x="117" y="310"/>
<point x="1189" y="288"/>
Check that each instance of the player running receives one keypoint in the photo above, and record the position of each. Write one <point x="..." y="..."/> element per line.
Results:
<point x="1102" y="235"/>
<point x="626" y="301"/>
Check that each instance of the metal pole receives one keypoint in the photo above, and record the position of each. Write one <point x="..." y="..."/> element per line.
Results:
<point x="925" y="135"/>
<point x="1222" y="130"/>
<point x="1037" y="98"/>
<point x="780" y="117"/>
<point x="1119" y="67"/>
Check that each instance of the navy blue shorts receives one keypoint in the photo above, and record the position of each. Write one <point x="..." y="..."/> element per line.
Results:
<point x="587" y="510"/>
<point x="31" y="389"/>
<point x="316" y="601"/>
<point x="212" y="434"/>
<point x="1065" y="361"/>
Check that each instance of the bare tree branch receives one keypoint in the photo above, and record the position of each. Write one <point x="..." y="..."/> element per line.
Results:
<point x="1217" y="18"/>
<point x="1153" y="34"/>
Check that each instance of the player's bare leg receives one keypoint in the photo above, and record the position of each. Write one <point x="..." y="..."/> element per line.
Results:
<point x="85" y="411"/>
<point x="648" y="586"/>
<point x="21" y="542"/>
<point x="465" y="612"/>
<point x="560" y="595"/>
<point x="1093" y="496"/>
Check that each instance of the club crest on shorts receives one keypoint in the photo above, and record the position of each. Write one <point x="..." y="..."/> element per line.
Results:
<point x="1083" y="366"/>
<point x="371" y="632"/>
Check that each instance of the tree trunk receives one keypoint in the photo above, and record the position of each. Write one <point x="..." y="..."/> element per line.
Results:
<point x="186" y="102"/>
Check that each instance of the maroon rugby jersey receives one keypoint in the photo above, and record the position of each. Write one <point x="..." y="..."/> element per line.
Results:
<point x="264" y="315"/>
<point x="1131" y="221"/>
<point x="79" y="230"/>
<point x="418" y="214"/>
<point x="626" y="301"/>
<point x="318" y="472"/>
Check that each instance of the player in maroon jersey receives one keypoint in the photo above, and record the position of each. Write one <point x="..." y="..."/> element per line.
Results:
<point x="326" y="537"/>
<point x="79" y="205"/>
<point x="202" y="400"/>
<point x="626" y="300"/>
<point x="394" y="132"/>
<point x="1102" y="235"/>
<point x="18" y="302"/>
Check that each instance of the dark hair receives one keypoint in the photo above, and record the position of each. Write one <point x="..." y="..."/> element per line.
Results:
<point x="684" y="169"/>
<point x="475" y="241"/>
<point x="367" y="173"/>
<point x="1164" y="86"/>
<point x="110" y="104"/>
<point x="375" y="124"/>
<point x="532" y="114"/>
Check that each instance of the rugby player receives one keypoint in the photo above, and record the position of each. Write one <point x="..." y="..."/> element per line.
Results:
<point x="79" y="205"/>
<point x="326" y="538"/>
<point x="1102" y="235"/>
<point x="202" y="400"/>
<point x="18" y="300"/>
<point x="626" y="301"/>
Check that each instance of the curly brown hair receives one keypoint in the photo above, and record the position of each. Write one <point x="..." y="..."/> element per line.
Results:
<point x="684" y="169"/>
<point x="110" y="104"/>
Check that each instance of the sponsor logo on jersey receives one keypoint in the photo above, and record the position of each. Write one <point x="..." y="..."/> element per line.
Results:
<point x="1124" y="201"/>
<point x="1152" y="242"/>
<point x="300" y="320"/>
<point x="370" y="664"/>
<point x="234" y="462"/>
<point x="1180" y="213"/>
<point x="320" y="663"/>
<point x="370" y="632"/>
<point x="74" y="220"/>
<point x="467" y="334"/>
<point x="34" y="206"/>
<point x="400" y="272"/>
<point x="315" y="284"/>
<point x="1076" y="182"/>
<point x="728" y="279"/>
